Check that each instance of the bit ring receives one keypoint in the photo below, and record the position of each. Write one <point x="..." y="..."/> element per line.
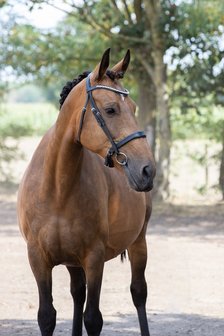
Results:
<point x="121" y="158"/>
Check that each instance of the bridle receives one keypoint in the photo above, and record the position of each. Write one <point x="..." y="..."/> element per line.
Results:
<point x="121" y="157"/>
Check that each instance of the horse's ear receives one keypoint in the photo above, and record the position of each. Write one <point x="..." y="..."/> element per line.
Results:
<point x="121" y="67"/>
<point x="102" y="67"/>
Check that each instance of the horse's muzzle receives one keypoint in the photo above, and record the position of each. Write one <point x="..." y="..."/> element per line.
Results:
<point x="143" y="180"/>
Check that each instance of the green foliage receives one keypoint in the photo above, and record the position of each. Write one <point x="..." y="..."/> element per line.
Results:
<point x="190" y="32"/>
<point x="26" y="119"/>
<point x="192" y="125"/>
<point x="28" y="93"/>
<point x="78" y="41"/>
<point x="47" y="56"/>
<point x="3" y="3"/>
<point x="7" y="154"/>
<point x="18" y="120"/>
<point x="196" y="75"/>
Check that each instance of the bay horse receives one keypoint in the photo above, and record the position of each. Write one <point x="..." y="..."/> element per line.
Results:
<point x="74" y="211"/>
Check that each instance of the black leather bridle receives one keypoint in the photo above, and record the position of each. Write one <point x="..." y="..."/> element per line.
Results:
<point x="121" y="158"/>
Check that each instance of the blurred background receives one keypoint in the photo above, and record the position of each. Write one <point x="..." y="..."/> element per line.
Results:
<point x="176" y="77"/>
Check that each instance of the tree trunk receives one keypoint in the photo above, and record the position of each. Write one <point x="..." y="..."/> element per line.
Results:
<point x="147" y="107"/>
<point x="153" y="13"/>
<point x="221" y="174"/>
<point x="154" y="116"/>
<point x="163" y="129"/>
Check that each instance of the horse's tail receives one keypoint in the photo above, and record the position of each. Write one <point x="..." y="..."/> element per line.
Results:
<point x="123" y="256"/>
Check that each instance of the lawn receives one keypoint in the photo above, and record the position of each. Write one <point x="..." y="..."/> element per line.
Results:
<point x="19" y="119"/>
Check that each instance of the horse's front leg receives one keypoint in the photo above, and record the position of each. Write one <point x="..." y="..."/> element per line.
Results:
<point x="138" y="258"/>
<point x="78" y="291"/>
<point x="43" y="276"/>
<point x="94" y="272"/>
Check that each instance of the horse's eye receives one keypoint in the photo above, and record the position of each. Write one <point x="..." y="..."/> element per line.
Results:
<point x="110" y="111"/>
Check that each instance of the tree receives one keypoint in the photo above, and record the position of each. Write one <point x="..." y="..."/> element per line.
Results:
<point x="136" y="25"/>
<point x="221" y="175"/>
<point x="149" y="27"/>
<point x="198" y="73"/>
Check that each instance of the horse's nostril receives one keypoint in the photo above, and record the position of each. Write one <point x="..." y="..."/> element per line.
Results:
<point x="147" y="177"/>
<point x="147" y="172"/>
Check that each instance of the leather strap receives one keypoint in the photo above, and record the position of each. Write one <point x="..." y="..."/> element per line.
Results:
<point x="135" y="135"/>
<point x="101" y="122"/>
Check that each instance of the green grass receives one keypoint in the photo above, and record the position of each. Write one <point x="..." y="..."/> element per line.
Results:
<point x="19" y="119"/>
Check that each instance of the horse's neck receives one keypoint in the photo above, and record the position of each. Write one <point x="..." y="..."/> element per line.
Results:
<point x="63" y="157"/>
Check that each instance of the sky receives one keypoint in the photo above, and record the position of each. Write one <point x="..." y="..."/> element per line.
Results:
<point x="47" y="17"/>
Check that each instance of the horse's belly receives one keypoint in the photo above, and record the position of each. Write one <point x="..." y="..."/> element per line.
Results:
<point x="119" y="243"/>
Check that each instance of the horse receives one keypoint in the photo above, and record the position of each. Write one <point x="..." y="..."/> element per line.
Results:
<point x="85" y="196"/>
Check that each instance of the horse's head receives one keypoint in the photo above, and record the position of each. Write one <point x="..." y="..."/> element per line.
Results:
<point x="108" y="127"/>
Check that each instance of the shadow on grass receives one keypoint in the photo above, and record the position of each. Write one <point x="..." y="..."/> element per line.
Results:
<point x="126" y="325"/>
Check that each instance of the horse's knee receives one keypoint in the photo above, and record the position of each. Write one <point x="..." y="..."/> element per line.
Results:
<point x="139" y="292"/>
<point x="47" y="320"/>
<point x="93" y="322"/>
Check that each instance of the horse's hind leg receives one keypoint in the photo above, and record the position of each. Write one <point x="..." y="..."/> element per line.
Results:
<point x="78" y="291"/>
<point x="138" y="258"/>
<point x="43" y="276"/>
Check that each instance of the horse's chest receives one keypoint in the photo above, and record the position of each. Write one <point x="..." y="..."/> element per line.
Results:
<point x="126" y="220"/>
<point x="82" y="222"/>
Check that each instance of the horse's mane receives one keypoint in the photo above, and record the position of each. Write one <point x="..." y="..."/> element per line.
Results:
<point x="70" y="84"/>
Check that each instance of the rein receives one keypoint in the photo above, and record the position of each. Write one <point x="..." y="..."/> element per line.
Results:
<point x="121" y="157"/>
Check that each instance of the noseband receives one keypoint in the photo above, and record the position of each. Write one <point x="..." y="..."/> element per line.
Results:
<point x="121" y="158"/>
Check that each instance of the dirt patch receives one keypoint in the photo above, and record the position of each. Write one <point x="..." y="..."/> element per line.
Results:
<point x="185" y="277"/>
